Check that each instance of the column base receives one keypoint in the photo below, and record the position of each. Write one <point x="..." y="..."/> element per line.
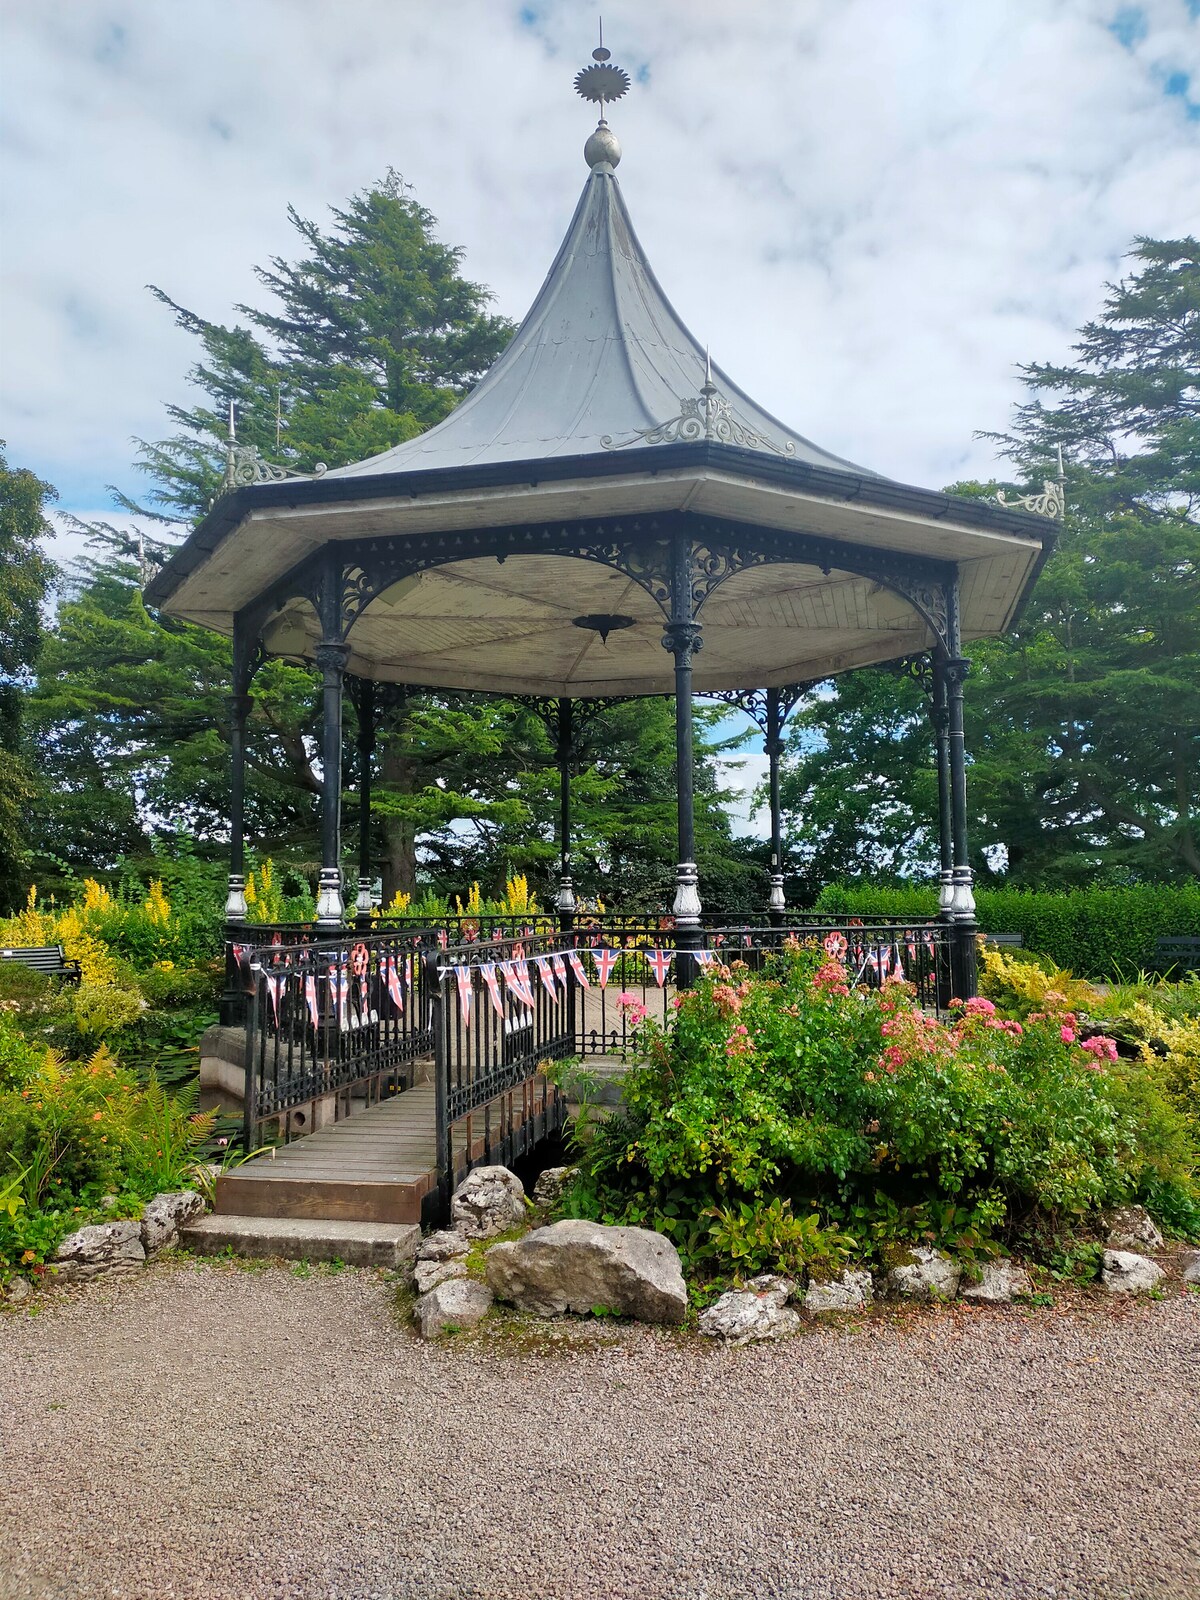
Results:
<point x="776" y="904"/>
<point x="363" y="904"/>
<point x="236" y="909"/>
<point x="331" y="908"/>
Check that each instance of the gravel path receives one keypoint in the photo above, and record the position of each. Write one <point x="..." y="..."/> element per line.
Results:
<point x="214" y="1433"/>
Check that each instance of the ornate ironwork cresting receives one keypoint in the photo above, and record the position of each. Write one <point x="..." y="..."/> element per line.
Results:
<point x="709" y="416"/>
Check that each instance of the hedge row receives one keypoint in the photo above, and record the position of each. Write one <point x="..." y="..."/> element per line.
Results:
<point x="1104" y="934"/>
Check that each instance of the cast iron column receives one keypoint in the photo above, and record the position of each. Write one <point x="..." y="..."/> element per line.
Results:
<point x="939" y="713"/>
<point x="682" y="638"/>
<point x="940" y="716"/>
<point x="962" y="906"/>
<point x="332" y="656"/>
<point x="232" y="1007"/>
<point x="773" y="745"/>
<point x="564" y="902"/>
<point x="366" y="749"/>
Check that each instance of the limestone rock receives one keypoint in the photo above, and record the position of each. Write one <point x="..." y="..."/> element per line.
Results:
<point x="742" y="1317"/>
<point x="444" y="1245"/>
<point x="18" y="1291"/>
<point x="1124" y="1272"/>
<point x="102" y="1247"/>
<point x="165" y="1215"/>
<point x="926" y="1275"/>
<point x="455" y="1303"/>
<point x="1132" y="1228"/>
<point x="428" y="1274"/>
<point x="1001" y="1283"/>
<point x="576" y="1265"/>
<point x="1191" y="1268"/>
<point x="548" y="1190"/>
<point x="488" y="1201"/>
<point x="851" y="1292"/>
<point x="779" y="1288"/>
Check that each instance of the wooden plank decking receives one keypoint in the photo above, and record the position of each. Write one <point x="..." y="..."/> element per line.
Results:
<point x="375" y="1166"/>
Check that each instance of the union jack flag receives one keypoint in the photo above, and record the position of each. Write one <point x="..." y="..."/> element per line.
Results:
<point x="488" y="969"/>
<point x="660" y="964"/>
<point x="605" y="961"/>
<point x="339" y="989"/>
<point x="577" y="969"/>
<point x="310" y="997"/>
<point x="516" y="976"/>
<point x="560" y="970"/>
<point x="704" y="957"/>
<point x="546" y="973"/>
<point x="462" y="976"/>
<point x="395" y="988"/>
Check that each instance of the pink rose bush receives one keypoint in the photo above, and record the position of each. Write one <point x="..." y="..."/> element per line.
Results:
<point x="853" y="1112"/>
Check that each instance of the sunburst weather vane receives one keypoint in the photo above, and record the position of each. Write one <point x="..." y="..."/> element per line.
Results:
<point x="602" y="82"/>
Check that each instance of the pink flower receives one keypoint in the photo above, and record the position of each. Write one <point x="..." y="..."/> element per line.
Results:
<point x="1014" y="1028"/>
<point x="979" y="1007"/>
<point x="1067" y="1035"/>
<point x="1100" y="1046"/>
<point x="676" y="1002"/>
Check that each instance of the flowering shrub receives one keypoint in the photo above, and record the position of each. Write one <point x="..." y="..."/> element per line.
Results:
<point x="854" y="1106"/>
<point x="74" y="1132"/>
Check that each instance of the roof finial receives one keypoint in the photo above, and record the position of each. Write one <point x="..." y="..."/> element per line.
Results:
<point x="602" y="83"/>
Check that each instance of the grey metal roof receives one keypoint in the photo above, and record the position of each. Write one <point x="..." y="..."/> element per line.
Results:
<point x="602" y="362"/>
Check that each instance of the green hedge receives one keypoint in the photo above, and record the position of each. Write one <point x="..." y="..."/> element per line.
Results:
<point x="1095" y="933"/>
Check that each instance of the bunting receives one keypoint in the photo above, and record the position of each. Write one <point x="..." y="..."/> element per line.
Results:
<point x="516" y="976"/>
<point x="488" y="969"/>
<point x="462" y="976"/>
<point x="310" y="999"/>
<point x="705" y="958"/>
<point x="545" y="972"/>
<point x="395" y="988"/>
<point x="660" y="964"/>
<point x="560" y="970"/>
<point x="577" y="968"/>
<point x="605" y="961"/>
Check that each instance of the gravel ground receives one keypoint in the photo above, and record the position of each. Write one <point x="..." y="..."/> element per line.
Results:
<point x="210" y="1432"/>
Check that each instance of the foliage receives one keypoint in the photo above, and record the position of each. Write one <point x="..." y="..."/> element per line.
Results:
<point x="1083" y="723"/>
<point x="72" y="1132"/>
<point x="25" y="574"/>
<point x="871" y="1120"/>
<point x="1106" y="933"/>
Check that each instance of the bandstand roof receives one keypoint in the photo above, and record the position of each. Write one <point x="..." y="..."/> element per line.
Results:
<point x="603" y="414"/>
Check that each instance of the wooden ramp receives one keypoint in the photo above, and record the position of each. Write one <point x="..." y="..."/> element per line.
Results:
<point x="375" y="1166"/>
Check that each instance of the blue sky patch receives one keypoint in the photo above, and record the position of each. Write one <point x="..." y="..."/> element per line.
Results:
<point x="1129" y="26"/>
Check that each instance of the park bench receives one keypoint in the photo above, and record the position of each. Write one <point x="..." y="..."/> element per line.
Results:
<point x="1177" y="952"/>
<point x="45" y="958"/>
<point x="1009" y="941"/>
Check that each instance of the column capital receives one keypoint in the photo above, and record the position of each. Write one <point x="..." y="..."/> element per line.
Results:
<point x="683" y="640"/>
<point x="331" y="655"/>
<point x="773" y="747"/>
<point x="240" y="706"/>
<point x="955" y="670"/>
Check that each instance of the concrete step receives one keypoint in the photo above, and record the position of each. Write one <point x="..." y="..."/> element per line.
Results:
<point x="358" y="1244"/>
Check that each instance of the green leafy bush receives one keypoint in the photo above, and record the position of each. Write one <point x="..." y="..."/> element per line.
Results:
<point x="72" y="1132"/>
<point x="1099" y="933"/>
<point x="789" y="1099"/>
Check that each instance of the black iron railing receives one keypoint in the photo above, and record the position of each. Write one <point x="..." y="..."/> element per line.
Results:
<point x="331" y="1020"/>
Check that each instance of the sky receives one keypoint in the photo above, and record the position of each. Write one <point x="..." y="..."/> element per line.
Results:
<point x="871" y="212"/>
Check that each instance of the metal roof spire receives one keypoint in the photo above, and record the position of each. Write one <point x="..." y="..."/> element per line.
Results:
<point x="601" y="83"/>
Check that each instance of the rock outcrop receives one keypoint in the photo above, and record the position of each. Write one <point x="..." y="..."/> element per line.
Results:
<point x="581" y="1266"/>
<point x="926" y="1274"/>
<point x="488" y="1201"/>
<point x="1000" y="1284"/>
<point x="450" y="1306"/>
<point x="1126" y="1272"/>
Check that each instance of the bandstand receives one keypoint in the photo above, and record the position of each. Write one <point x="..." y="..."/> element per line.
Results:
<point x="605" y="515"/>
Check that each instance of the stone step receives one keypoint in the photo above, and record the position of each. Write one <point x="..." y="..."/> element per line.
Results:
<point x="358" y="1244"/>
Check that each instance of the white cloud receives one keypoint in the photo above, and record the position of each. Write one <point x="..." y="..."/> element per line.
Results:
<point x="871" y="212"/>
